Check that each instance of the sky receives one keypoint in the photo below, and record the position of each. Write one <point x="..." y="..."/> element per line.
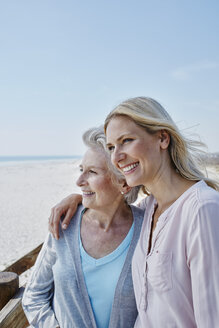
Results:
<point x="65" y="64"/>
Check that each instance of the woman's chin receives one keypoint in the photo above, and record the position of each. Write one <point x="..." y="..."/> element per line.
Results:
<point x="132" y="182"/>
<point x="86" y="203"/>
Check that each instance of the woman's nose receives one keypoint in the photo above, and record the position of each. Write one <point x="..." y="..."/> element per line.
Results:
<point x="80" y="181"/>
<point x="117" y="156"/>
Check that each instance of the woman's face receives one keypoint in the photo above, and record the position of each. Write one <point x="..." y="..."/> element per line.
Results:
<point x="98" y="190"/>
<point x="136" y="153"/>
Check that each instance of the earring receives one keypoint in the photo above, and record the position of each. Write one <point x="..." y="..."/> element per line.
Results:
<point x="122" y="192"/>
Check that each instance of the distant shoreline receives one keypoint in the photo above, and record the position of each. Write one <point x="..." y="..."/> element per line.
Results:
<point x="212" y="159"/>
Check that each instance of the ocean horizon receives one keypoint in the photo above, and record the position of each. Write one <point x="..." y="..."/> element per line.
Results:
<point x="4" y="159"/>
<point x="211" y="158"/>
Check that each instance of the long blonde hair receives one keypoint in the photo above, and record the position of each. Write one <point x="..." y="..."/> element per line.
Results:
<point x="185" y="153"/>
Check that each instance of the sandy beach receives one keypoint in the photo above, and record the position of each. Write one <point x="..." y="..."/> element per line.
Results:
<point x="28" y="190"/>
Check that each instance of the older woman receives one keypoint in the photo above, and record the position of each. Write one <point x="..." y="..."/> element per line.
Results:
<point x="84" y="279"/>
<point x="176" y="263"/>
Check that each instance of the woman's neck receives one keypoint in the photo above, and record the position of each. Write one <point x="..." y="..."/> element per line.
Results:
<point x="106" y="218"/>
<point x="102" y="233"/>
<point x="168" y="188"/>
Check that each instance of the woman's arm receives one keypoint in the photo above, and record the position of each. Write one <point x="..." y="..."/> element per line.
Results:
<point x="38" y="293"/>
<point x="66" y="208"/>
<point x="203" y="260"/>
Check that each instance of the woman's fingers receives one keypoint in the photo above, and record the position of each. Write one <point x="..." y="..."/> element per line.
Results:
<point x="64" y="210"/>
<point x="54" y="219"/>
<point x="68" y="216"/>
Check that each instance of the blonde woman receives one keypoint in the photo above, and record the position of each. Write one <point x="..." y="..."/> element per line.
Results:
<point x="176" y="263"/>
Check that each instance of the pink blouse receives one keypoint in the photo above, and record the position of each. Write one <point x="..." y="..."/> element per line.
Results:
<point x="177" y="283"/>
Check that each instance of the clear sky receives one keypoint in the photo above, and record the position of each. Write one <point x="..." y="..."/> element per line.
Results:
<point x="65" y="64"/>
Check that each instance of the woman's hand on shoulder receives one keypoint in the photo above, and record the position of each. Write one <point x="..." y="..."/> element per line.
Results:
<point x="66" y="208"/>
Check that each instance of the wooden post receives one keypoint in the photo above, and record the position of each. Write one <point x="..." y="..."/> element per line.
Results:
<point x="9" y="286"/>
<point x="12" y="315"/>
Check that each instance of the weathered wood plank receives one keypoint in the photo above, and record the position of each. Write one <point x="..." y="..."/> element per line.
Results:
<point x="9" y="286"/>
<point x="25" y="262"/>
<point x="12" y="315"/>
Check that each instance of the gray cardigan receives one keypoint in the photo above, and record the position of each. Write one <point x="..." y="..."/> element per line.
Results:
<point x="56" y="294"/>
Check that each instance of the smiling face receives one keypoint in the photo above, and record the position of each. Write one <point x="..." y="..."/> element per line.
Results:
<point x="135" y="152"/>
<point x="98" y="190"/>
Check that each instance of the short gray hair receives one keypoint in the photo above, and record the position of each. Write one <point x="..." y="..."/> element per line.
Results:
<point x="95" y="138"/>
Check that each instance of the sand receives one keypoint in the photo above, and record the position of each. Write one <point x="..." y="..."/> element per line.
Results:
<point x="28" y="190"/>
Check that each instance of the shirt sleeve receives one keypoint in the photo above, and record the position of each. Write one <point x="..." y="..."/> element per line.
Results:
<point x="38" y="293"/>
<point x="203" y="260"/>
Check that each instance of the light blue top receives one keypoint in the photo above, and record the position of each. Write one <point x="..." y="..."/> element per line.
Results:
<point x="101" y="277"/>
<point x="56" y="294"/>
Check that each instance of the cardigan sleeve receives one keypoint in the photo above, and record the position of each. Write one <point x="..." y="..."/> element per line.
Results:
<point x="203" y="261"/>
<point x="38" y="293"/>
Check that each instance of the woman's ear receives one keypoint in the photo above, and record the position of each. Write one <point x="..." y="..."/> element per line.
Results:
<point x="164" y="139"/>
<point x="124" y="187"/>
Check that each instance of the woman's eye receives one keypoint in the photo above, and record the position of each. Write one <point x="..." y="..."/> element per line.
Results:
<point x="127" y="140"/>
<point x="92" y="171"/>
<point x="110" y="148"/>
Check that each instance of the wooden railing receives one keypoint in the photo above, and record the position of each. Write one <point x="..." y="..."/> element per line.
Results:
<point x="11" y="312"/>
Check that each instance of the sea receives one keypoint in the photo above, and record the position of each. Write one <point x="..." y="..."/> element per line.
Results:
<point x="18" y="159"/>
